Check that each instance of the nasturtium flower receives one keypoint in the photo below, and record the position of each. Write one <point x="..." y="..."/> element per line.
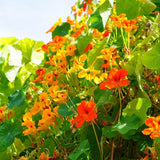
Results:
<point x="154" y="127"/>
<point x="48" y="119"/>
<point x="44" y="156"/>
<point x="115" y="79"/>
<point x="157" y="78"/>
<point x="89" y="47"/>
<point x="86" y="112"/>
<point x="70" y="50"/>
<point x="2" y="113"/>
<point x="55" y="25"/>
<point x="118" y="20"/>
<point x="40" y="72"/>
<point x="89" y="73"/>
<point x="129" y="25"/>
<point x="29" y="123"/>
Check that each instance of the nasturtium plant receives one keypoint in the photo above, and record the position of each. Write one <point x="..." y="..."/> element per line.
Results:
<point x="92" y="92"/>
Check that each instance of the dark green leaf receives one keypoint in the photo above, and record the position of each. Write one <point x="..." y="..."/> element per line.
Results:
<point x="61" y="30"/>
<point x="66" y="109"/>
<point x="8" y="132"/>
<point x="107" y="132"/>
<point x="49" y="145"/>
<point x="16" y="99"/>
<point x="90" y="135"/>
<point x="63" y="110"/>
<point x="83" y="147"/>
<point x="103" y="96"/>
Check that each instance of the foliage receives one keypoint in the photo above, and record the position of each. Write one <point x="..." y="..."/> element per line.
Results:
<point x="91" y="93"/>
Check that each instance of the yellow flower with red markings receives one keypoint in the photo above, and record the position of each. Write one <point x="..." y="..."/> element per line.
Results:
<point x="29" y="123"/>
<point x="154" y="127"/>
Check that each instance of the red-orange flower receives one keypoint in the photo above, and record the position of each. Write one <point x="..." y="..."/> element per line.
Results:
<point x="86" y="111"/>
<point x="157" y="78"/>
<point x="154" y="127"/>
<point x="115" y="79"/>
<point x="89" y="47"/>
<point x="2" y="113"/>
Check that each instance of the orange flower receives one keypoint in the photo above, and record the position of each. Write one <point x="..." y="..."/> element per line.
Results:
<point x="70" y="49"/>
<point x="128" y="25"/>
<point x="47" y="120"/>
<point x="89" y="47"/>
<point x="78" y="32"/>
<point x="97" y="34"/>
<point x="49" y="78"/>
<point x="115" y="79"/>
<point x="86" y="111"/>
<point x="157" y="78"/>
<point x="40" y="72"/>
<point x="106" y="33"/>
<point x="2" y="113"/>
<point x="154" y="127"/>
<point x="31" y="129"/>
<point x="44" y="156"/>
<point x="118" y="20"/>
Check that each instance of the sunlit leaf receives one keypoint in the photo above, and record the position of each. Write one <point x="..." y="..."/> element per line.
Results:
<point x="83" y="41"/>
<point x="95" y="52"/>
<point x="139" y="107"/>
<point x="105" y="10"/>
<point x="151" y="58"/>
<point x="126" y="124"/>
<point x="26" y="46"/>
<point x="7" y="40"/>
<point x="134" y="8"/>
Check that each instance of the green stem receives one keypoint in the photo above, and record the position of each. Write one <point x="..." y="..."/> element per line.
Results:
<point x="120" y="108"/>
<point x="97" y="141"/>
<point x="128" y="40"/>
<point x="112" y="152"/>
<point x="14" y="147"/>
<point x="123" y="37"/>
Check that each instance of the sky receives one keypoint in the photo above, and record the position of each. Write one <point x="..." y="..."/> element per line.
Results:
<point x="32" y="18"/>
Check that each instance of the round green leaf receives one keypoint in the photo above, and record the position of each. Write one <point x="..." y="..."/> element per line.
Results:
<point x="151" y="59"/>
<point x="134" y="8"/>
<point x="8" y="132"/>
<point x="16" y="99"/>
